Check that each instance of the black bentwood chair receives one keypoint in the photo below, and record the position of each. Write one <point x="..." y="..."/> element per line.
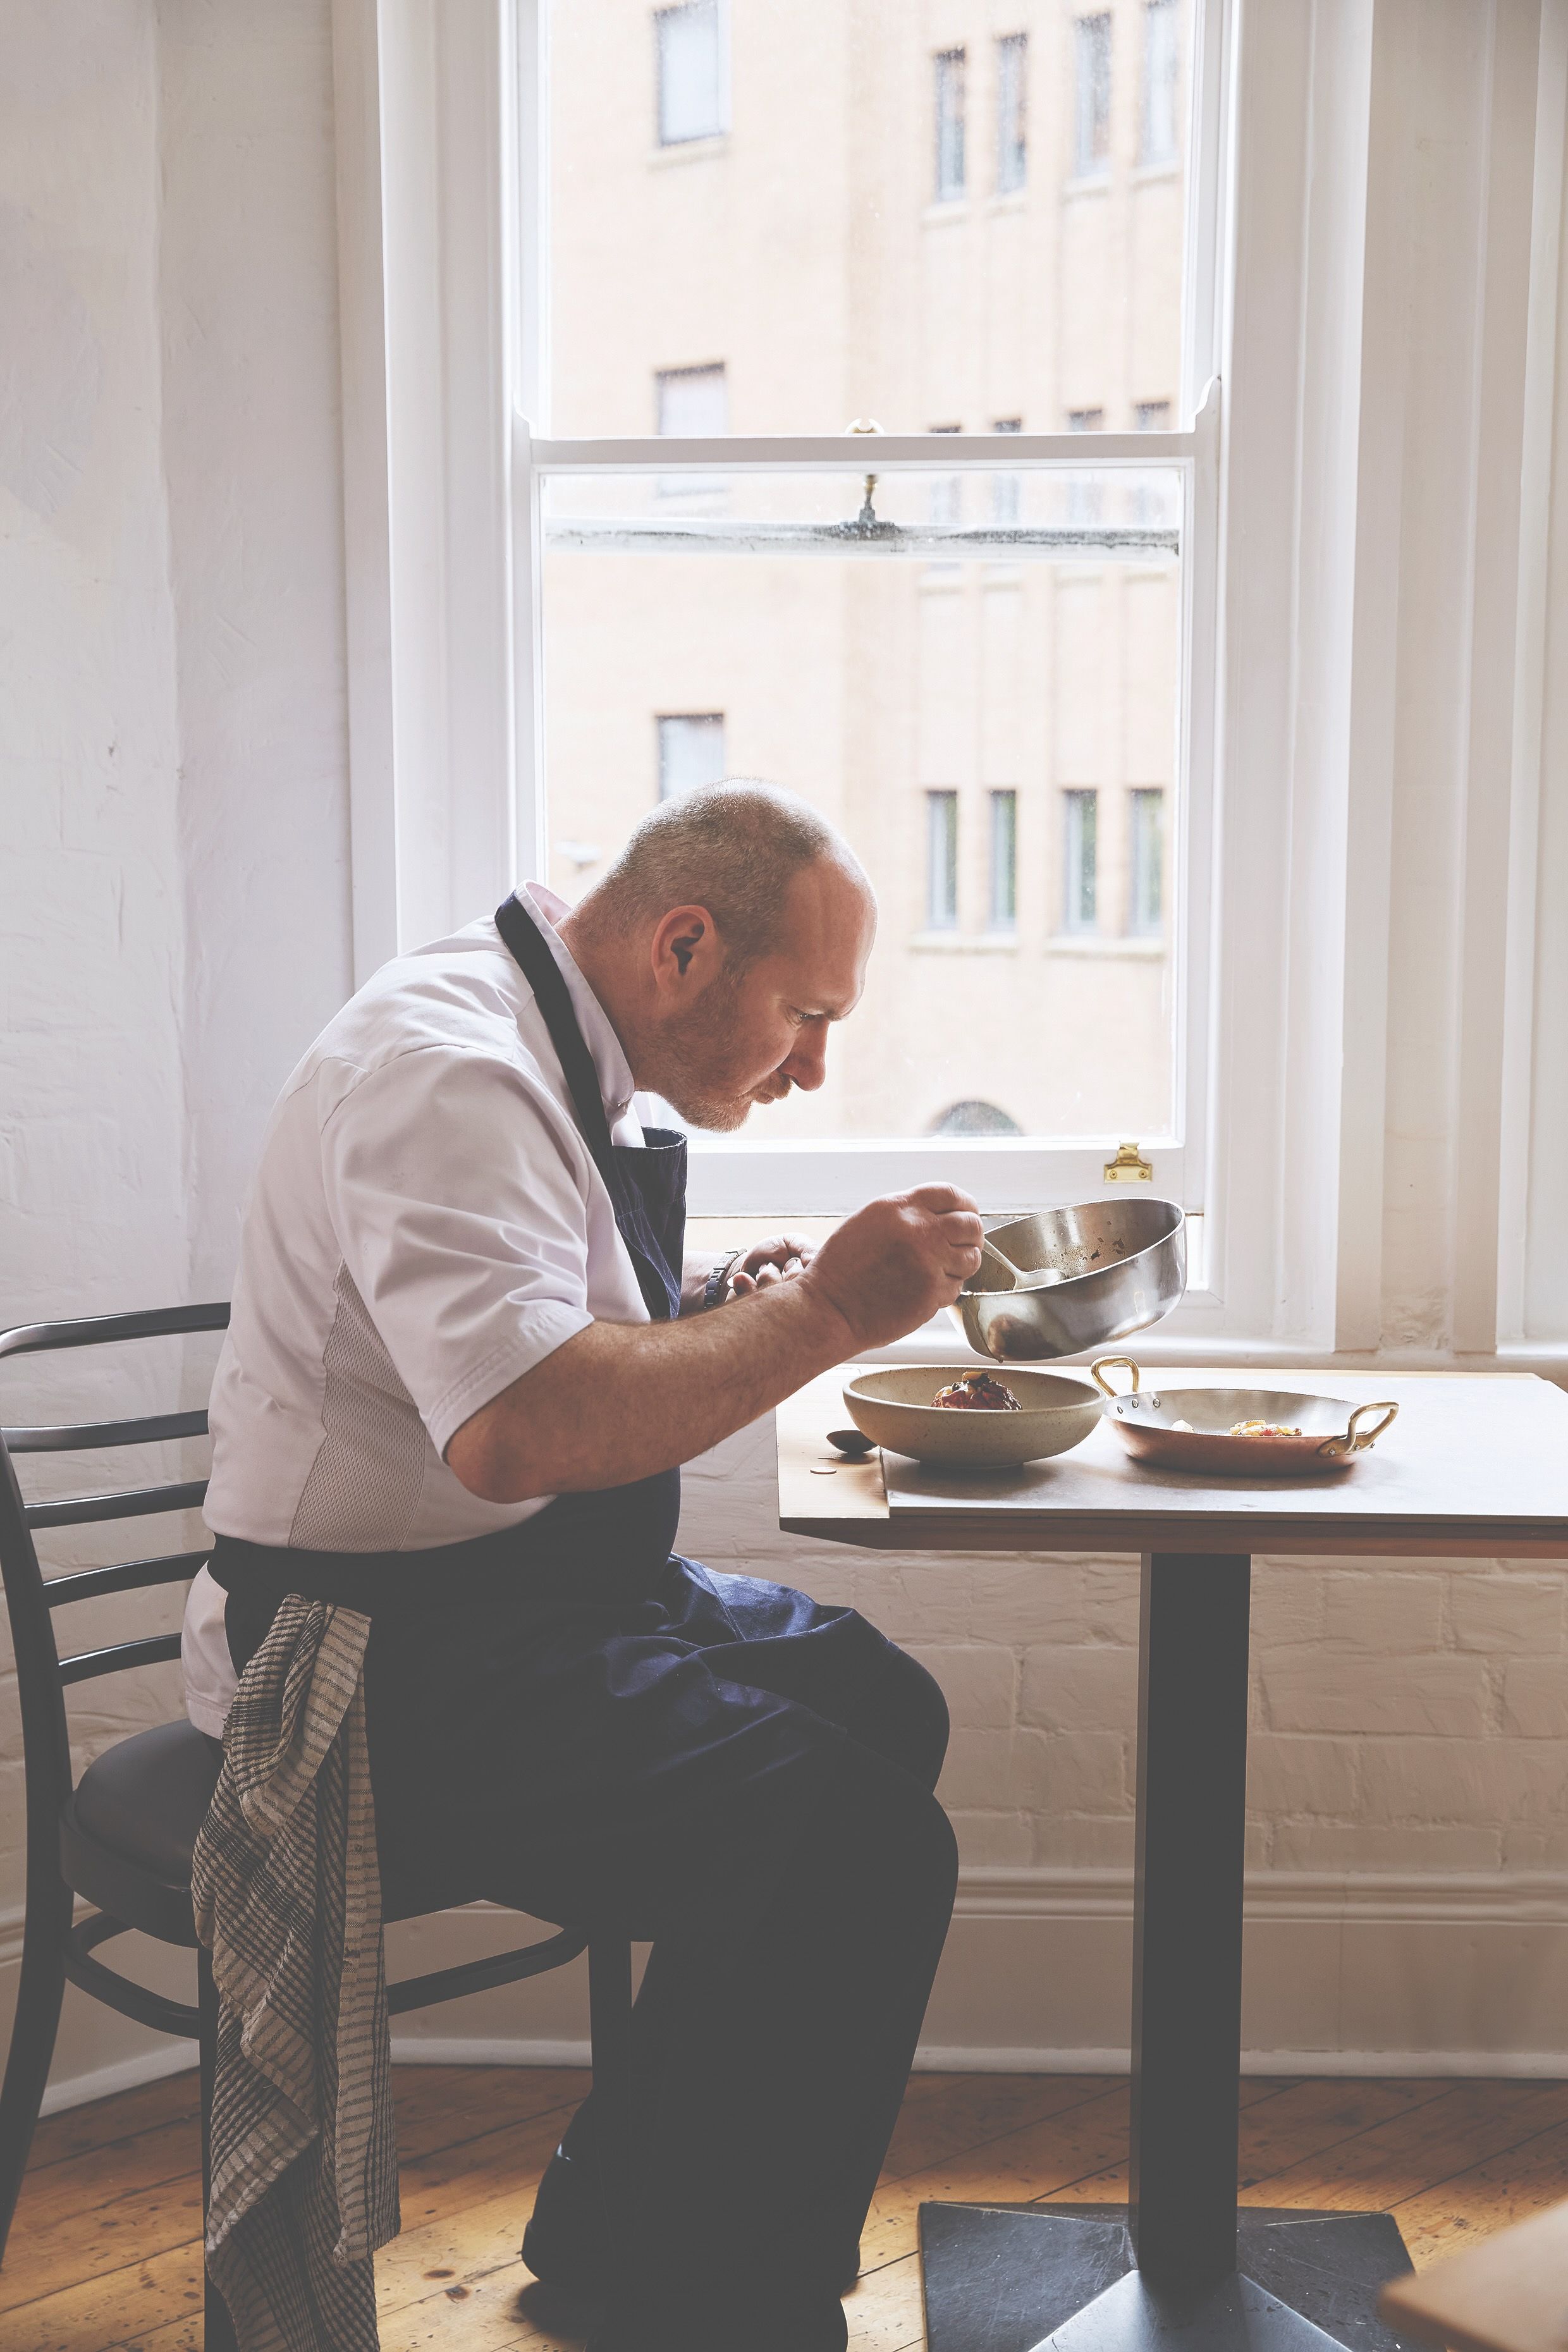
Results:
<point x="122" y="1836"/>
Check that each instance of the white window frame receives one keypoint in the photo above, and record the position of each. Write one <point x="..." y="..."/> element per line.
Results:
<point x="441" y="239"/>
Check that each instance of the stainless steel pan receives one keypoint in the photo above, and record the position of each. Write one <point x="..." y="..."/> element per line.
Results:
<point x="1190" y="1429"/>
<point x="1085" y="1277"/>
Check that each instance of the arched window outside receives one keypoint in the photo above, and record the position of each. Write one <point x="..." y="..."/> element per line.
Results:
<point x="975" y="1118"/>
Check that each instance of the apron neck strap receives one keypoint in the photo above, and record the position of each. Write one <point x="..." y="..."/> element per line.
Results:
<point x="531" y="952"/>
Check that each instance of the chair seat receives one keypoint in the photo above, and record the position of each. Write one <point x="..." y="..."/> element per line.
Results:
<point x="145" y="1798"/>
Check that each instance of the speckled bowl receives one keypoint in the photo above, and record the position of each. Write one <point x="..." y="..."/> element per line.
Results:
<point x="893" y="1408"/>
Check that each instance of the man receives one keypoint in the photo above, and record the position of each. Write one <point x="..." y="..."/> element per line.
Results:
<point x="463" y="1369"/>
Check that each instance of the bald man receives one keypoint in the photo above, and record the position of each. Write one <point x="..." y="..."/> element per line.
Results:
<point x="466" y="1361"/>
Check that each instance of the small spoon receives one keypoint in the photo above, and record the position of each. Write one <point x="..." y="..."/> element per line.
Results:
<point x="852" y="1442"/>
<point x="1005" y="1265"/>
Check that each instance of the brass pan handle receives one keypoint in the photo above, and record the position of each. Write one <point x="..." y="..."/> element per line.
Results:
<point x="1359" y="1440"/>
<point x="1113" y="1364"/>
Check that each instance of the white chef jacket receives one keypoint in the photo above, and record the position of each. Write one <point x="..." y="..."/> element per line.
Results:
<point x="427" y="1225"/>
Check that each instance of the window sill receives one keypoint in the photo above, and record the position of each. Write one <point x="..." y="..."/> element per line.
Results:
<point x="944" y="209"/>
<point x="1092" y="183"/>
<point x="1011" y="200"/>
<point x="1144" y="174"/>
<point x="942" y="578"/>
<point x="1106" y="944"/>
<point x="690" y="151"/>
<point x="966" y="943"/>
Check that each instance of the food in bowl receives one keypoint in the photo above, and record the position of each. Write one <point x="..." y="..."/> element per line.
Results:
<point x="976" y="1392"/>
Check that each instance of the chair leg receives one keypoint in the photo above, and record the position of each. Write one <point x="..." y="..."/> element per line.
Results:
<point x="38" y="1996"/>
<point x="610" y="2025"/>
<point x="218" y="2328"/>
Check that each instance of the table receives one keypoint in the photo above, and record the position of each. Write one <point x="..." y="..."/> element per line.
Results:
<point x="1476" y="1466"/>
<point x="1509" y="2293"/>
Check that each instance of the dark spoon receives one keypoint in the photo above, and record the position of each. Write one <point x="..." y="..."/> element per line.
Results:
<point x="853" y="1441"/>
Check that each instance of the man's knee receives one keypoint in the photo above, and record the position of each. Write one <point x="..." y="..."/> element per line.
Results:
<point x="916" y="1718"/>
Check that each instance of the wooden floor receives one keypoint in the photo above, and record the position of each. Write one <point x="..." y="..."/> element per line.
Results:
<point x="103" y="2254"/>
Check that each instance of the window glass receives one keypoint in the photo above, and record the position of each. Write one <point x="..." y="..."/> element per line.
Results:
<point x="1162" y="71"/>
<point x="1012" y="113"/>
<point x="1080" y="862"/>
<point x="804" y="246"/>
<point x="950" y="125"/>
<point x="942" y="861"/>
<point x="688" y="72"/>
<point x="1146" y="864"/>
<point x="1004" y="861"/>
<point x="1092" y="95"/>
<point x="935" y="705"/>
<point x="690" y="751"/>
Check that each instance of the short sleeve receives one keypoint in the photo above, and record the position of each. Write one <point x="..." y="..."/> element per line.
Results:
<point x="457" y="1190"/>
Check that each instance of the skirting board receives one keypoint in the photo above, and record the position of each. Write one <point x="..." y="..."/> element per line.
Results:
<point x="1454" y="1974"/>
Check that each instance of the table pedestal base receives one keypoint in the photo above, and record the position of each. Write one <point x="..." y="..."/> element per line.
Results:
<point x="1010" y="2278"/>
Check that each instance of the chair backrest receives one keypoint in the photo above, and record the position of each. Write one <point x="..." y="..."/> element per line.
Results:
<point x="42" y="1674"/>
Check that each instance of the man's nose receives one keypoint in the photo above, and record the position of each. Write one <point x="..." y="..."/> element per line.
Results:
<point x="808" y="1065"/>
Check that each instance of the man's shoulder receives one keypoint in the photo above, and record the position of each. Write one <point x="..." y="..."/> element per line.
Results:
<point x="462" y="998"/>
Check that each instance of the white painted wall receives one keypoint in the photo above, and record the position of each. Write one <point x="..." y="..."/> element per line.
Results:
<point x="175" y="914"/>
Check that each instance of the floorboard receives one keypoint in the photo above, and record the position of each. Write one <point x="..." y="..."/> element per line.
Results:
<point x="104" y="2253"/>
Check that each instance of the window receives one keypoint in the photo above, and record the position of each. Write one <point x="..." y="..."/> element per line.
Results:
<point x="946" y="491"/>
<point x="1004" y="861"/>
<point x="1079" y="860"/>
<point x="1006" y="489"/>
<point x="942" y="861"/>
<point x="950" y="165"/>
<point x="1152" y="416"/>
<point x="689" y="72"/>
<point x="1148" y="501"/>
<point x="1085" y="497"/>
<point x="1161" y="69"/>
<point x="1146" y="864"/>
<point x="690" y="751"/>
<point x="975" y="1118"/>
<point x="1012" y="112"/>
<point x="933" y="691"/>
<point x="692" y="405"/>
<point x="1091" y="96"/>
<point x="693" y="402"/>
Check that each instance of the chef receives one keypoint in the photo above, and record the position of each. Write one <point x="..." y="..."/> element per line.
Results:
<point x="465" y="1363"/>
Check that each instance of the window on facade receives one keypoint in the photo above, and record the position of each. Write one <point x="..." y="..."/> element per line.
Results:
<point x="974" y="1118"/>
<point x="861" y="654"/>
<point x="1148" y="500"/>
<point x="1162" y="66"/>
<point x="689" y="58"/>
<point x="1012" y="112"/>
<point x="946" y="490"/>
<point x="690" y="751"/>
<point x="1091" y="96"/>
<point x="950" y="125"/>
<point x="1086" y="497"/>
<point x="1006" y="489"/>
<point x="1081" y="861"/>
<point x="1146" y="863"/>
<point x="942" y="861"/>
<point x="1004" y="861"/>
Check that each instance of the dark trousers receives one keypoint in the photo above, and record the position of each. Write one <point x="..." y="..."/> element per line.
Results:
<point x="743" y="1777"/>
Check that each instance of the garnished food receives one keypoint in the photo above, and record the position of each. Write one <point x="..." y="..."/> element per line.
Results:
<point x="1185" y="1427"/>
<point x="977" y="1392"/>
<point x="1262" y="1429"/>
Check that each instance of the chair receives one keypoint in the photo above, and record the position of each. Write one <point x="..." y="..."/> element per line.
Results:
<point x="122" y="1835"/>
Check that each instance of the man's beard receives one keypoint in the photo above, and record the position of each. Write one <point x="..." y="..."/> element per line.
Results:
<point x="691" y="1078"/>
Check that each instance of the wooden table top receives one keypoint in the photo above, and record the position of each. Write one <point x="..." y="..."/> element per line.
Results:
<point x="1509" y="2293"/>
<point x="1474" y="1467"/>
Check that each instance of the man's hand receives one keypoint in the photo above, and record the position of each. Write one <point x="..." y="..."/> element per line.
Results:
<point x="765" y="1262"/>
<point x="888" y="1268"/>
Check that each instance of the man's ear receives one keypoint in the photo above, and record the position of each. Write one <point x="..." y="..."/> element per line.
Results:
<point x="685" y="937"/>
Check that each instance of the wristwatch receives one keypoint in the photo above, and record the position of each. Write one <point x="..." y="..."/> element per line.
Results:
<point x="717" y="1289"/>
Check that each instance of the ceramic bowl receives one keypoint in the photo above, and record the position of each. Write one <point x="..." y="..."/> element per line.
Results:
<point x="893" y="1408"/>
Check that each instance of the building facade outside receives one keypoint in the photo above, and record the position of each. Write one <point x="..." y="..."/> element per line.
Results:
<point x="966" y="215"/>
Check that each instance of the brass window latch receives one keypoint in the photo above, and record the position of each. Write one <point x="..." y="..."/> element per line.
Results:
<point x="1129" y="1167"/>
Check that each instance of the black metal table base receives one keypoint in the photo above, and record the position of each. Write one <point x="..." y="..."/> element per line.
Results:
<point x="1009" y="2278"/>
